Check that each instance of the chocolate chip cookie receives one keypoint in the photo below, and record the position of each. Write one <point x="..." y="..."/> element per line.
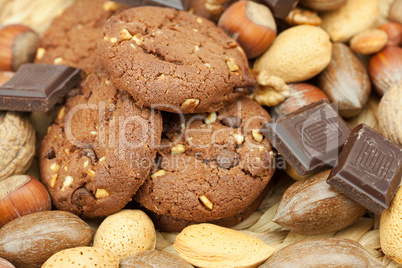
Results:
<point x="72" y="37"/>
<point x="210" y="166"/>
<point x="170" y="224"/>
<point x="99" y="150"/>
<point x="173" y="60"/>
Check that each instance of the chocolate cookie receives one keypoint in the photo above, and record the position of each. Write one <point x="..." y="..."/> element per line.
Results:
<point x="72" y="37"/>
<point x="170" y="224"/>
<point x="173" y="60"/>
<point x="210" y="166"/>
<point x="99" y="150"/>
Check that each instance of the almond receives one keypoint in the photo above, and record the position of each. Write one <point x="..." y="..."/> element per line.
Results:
<point x="390" y="113"/>
<point x="30" y="240"/>
<point x="5" y="264"/>
<point x="125" y="233"/>
<point x="311" y="206"/>
<point x="154" y="259"/>
<point x="208" y="245"/>
<point x="391" y="229"/>
<point x="325" y="252"/>
<point x="345" y="81"/>
<point x="82" y="257"/>
<point x="369" y="41"/>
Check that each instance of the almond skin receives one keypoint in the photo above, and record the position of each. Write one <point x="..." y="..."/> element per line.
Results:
<point x="209" y="245"/>
<point x="323" y="253"/>
<point x="345" y="81"/>
<point x="30" y="240"/>
<point x="311" y="206"/>
<point x="390" y="113"/>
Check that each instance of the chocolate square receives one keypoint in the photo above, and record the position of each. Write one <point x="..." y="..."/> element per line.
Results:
<point x="310" y="138"/>
<point x="368" y="170"/>
<point x="37" y="87"/>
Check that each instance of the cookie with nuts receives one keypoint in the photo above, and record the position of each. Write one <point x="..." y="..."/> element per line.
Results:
<point x="173" y="60"/>
<point x="210" y="166"/>
<point x="99" y="150"/>
<point x="73" y="36"/>
<point x="166" y="223"/>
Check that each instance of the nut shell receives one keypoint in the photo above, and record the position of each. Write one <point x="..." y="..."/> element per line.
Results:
<point x="297" y="54"/>
<point x="385" y="68"/>
<point x="82" y="257"/>
<point x="21" y="195"/>
<point x="5" y="264"/>
<point x="251" y="24"/>
<point x="391" y="230"/>
<point x="208" y="245"/>
<point x="351" y="18"/>
<point x="154" y="259"/>
<point x="396" y="11"/>
<point x="17" y="143"/>
<point x="323" y="253"/>
<point x="125" y="233"/>
<point x="30" y="240"/>
<point x="345" y="81"/>
<point x="311" y="206"/>
<point x="390" y="113"/>
<point x="301" y="94"/>
<point x="394" y="33"/>
<point x="18" y="44"/>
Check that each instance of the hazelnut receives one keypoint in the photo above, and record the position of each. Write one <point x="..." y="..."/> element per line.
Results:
<point x="385" y="68"/>
<point x="21" y="195"/>
<point x="369" y="41"/>
<point x="322" y="5"/>
<point x="394" y="33"/>
<point x="18" y="44"/>
<point x="17" y="144"/>
<point x="390" y="113"/>
<point x="301" y="94"/>
<point x="396" y="11"/>
<point x="251" y="24"/>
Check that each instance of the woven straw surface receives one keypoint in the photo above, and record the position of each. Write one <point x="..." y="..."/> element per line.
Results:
<point x="38" y="14"/>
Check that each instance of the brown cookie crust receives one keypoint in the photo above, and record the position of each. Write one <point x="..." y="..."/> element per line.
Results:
<point x="212" y="176"/>
<point x="163" y="56"/>
<point x="98" y="152"/>
<point x="170" y="224"/>
<point x="73" y="36"/>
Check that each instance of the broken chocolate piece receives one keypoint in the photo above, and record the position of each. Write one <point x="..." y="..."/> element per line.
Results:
<point x="368" y="169"/>
<point x="310" y="138"/>
<point x="231" y="121"/>
<point x="177" y="4"/>
<point x="280" y="8"/>
<point x="37" y="87"/>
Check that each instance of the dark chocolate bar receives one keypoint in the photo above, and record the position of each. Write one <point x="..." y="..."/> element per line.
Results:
<point x="310" y="138"/>
<point x="37" y="87"/>
<point x="177" y="4"/>
<point x="280" y="8"/>
<point x="368" y="169"/>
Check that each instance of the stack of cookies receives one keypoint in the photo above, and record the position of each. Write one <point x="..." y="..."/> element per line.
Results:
<point x="162" y="117"/>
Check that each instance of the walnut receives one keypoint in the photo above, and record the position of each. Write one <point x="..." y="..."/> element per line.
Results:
<point x="17" y="144"/>
<point x="271" y="90"/>
<point x="390" y="114"/>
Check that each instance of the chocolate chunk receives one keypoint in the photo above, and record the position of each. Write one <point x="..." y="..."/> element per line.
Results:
<point x="50" y="154"/>
<point x="231" y="121"/>
<point x="90" y="154"/>
<point x="82" y="197"/>
<point x="177" y="4"/>
<point x="228" y="159"/>
<point x="37" y="87"/>
<point x="310" y="138"/>
<point x="280" y="8"/>
<point x="244" y="90"/>
<point x="368" y="170"/>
